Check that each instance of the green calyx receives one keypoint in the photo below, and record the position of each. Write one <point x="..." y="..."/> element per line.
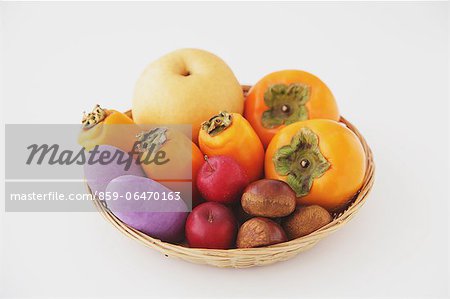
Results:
<point x="152" y="140"/>
<point x="96" y="116"/>
<point x="301" y="161"/>
<point x="286" y="104"/>
<point x="217" y="123"/>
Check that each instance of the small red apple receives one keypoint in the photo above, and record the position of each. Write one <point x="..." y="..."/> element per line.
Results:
<point x="221" y="179"/>
<point x="211" y="225"/>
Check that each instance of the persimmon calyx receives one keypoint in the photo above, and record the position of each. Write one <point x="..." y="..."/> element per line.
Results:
<point x="301" y="161"/>
<point x="149" y="141"/>
<point x="217" y="123"/>
<point x="96" y="116"/>
<point x="286" y="104"/>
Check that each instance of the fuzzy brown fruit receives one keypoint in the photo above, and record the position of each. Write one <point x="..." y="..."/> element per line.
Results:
<point x="268" y="198"/>
<point x="258" y="232"/>
<point x="305" y="220"/>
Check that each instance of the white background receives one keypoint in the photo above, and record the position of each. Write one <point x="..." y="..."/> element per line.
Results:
<point x="387" y="65"/>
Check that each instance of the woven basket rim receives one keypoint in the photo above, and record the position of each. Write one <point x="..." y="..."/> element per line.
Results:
<point x="247" y="257"/>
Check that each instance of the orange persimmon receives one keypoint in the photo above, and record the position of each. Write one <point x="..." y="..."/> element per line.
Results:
<point x="285" y="97"/>
<point x="322" y="161"/>
<point x="231" y="135"/>
<point x="168" y="155"/>
<point x="106" y="126"/>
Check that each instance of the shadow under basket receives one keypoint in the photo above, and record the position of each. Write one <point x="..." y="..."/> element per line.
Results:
<point x="243" y="258"/>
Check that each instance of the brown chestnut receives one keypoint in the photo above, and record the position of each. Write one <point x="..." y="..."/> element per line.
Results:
<point x="258" y="232"/>
<point x="306" y="220"/>
<point x="268" y="198"/>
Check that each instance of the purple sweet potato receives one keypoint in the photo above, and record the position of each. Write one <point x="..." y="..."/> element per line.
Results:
<point x="98" y="175"/>
<point x="134" y="205"/>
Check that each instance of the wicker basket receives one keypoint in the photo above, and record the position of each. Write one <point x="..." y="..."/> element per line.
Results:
<point x="243" y="258"/>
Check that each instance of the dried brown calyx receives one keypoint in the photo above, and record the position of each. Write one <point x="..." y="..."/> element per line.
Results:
<point x="96" y="116"/>
<point x="217" y="123"/>
<point x="152" y="140"/>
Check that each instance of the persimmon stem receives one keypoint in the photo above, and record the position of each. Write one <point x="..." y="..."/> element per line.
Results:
<point x="301" y="161"/>
<point x="218" y="123"/>
<point x="95" y="117"/>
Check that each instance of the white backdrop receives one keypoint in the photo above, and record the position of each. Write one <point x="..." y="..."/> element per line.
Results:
<point x="387" y="65"/>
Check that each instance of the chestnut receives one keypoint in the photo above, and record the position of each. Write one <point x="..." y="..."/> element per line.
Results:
<point x="268" y="198"/>
<point x="258" y="232"/>
<point x="306" y="220"/>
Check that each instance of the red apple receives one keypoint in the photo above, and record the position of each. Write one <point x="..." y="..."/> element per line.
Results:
<point x="211" y="225"/>
<point x="221" y="179"/>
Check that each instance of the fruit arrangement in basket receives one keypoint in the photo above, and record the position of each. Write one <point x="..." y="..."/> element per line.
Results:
<point x="263" y="166"/>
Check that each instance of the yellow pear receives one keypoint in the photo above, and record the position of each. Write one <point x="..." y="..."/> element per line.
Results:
<point x="187" y="86"/>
